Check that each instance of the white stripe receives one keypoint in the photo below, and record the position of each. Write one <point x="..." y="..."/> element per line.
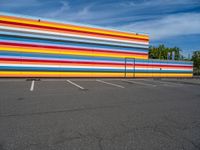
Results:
<point x="72" y="23"/>
<point x="89" y="67"/>
<point x="32" y="85"/>
<point x="84" y="47"/>
<point x="110" y="83"/>
<point x="59" y="66"/>
<point x="109" y="61"/>
<point x="72" y="46"/>
<point x="82" y="88"/>
<point x="70" y="35"/>
<point x="177" y="69"/>
<point x="108" y="43"/>
<point x="172" y="63"/>
<point x="162" y="69"/>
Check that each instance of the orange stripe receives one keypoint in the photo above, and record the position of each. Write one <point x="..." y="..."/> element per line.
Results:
<point x="72" y="74"/>
<point x="70" y="52"/>
<point x="73" y="32"/>
<point x="78" y="50"/>
<point x="74" y="27"/>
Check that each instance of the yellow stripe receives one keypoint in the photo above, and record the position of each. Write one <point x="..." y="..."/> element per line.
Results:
<point x="29" y="50"/>
<point x="84" y="74"/>
<point x="163" y="75"/>
<point x="72" y="27"/>
<point x="57" y="74"/>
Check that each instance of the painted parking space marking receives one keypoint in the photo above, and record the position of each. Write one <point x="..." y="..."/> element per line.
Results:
<point x="139" y="83"/>
<point x="110" y="83"/>
<point x="32" y="85"/>
<point x="73" y="83"/>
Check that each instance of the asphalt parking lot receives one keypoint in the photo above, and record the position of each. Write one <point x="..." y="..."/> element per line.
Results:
<point x="100" y="114"/>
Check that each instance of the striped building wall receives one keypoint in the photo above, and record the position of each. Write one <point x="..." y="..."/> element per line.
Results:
<point x="32" y="47"/>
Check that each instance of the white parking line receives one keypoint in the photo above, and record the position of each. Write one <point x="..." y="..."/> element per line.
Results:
<point x="140" y="83"/>
<point x="32" y="85"/>
<point x="80" y="87"/>
<point x="110" y="83"/>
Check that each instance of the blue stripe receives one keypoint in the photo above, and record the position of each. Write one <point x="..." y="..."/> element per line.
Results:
<point x="77" y="39"/>
<point x="88" y="69"/>
<point x="164" y="62"/>
<point x="53" y="56"/>
<point x="67" y="43"/>
<point x="85" y="58"/>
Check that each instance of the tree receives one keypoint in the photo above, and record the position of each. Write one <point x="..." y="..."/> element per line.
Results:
<point x="161" y="52"/>
<point x="196" y="62"/>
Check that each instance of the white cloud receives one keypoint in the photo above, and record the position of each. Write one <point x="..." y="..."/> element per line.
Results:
<point x="157" y="25"/>
<point x="168" y="26"/>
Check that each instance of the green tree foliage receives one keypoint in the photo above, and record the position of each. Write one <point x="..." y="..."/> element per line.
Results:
<point x="196" y="61"/>
<point x="161" y="52"/>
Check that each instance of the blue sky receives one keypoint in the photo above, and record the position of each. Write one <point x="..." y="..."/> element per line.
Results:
<point x="169" y="22"/>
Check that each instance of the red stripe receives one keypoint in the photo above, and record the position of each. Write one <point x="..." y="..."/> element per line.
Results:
<point x="55" y="28"/>
<point x="82" y="62"/>
<point x="69" y="48"/>
<point x="56" y="61"/>
<point x="155" y="65"/>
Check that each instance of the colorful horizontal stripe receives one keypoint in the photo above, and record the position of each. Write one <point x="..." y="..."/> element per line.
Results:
<point x="85" y="74"/>
<point x="42" y="24"/>
<point x="34" y="33"/>
<point x="31" y="47"/>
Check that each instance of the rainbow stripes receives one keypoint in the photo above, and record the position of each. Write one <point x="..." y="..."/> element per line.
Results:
<point x="30" y="47"/>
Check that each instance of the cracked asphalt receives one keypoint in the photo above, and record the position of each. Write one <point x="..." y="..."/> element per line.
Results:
<point x="103" y="114"/>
